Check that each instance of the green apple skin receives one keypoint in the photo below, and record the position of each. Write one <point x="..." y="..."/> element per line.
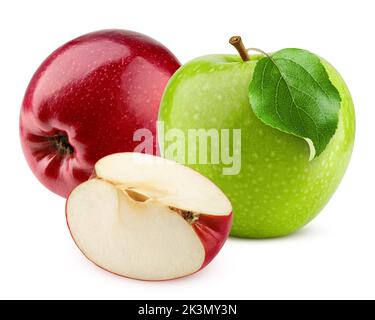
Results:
<point x="278" y="190"/>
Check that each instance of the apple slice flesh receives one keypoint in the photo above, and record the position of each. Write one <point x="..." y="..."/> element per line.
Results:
<point x="147" y="218"/>
<point x="169" y="182"/>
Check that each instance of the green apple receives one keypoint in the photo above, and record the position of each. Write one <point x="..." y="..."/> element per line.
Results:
<point x="278" y="189"/>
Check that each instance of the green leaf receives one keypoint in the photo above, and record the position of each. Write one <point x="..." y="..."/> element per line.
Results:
<point x="291" y="91"/>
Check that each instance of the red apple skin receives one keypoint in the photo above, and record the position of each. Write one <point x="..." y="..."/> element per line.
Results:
<point x="213" y="231"/>
<point x="86" y="101"/>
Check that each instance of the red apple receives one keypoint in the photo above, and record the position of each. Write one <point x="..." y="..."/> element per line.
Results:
<point x="86" y="101"/>
<point x="147" y="218"/>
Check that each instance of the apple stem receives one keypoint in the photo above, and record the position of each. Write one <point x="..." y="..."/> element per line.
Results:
<point x="236" y="42"/>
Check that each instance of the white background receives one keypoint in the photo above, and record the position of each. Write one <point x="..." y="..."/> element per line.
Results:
<point x="333" y="257"/>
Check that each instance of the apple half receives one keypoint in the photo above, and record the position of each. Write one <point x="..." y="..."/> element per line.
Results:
<point x="147" y="218"/>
